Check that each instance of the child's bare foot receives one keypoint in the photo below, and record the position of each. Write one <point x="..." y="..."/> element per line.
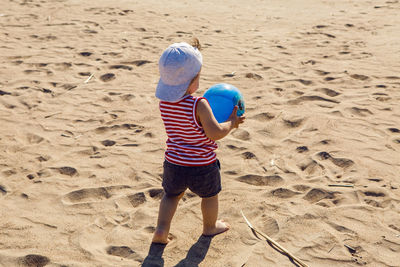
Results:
<point x="220" y="227"/>
<point x="160" y="236"/>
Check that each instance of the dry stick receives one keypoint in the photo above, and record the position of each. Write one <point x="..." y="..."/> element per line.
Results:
<point x="341" y="185"/>
<point x="298" y="261"/>
<point x="74" y="86"/>
<point x="90" y="77"/>
<point x="48" y="116"/>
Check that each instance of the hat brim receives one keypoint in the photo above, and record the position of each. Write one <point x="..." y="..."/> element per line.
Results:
<point x="171" y="93"/>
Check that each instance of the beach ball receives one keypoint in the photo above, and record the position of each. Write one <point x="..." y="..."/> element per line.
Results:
<point x="223" y="98"/>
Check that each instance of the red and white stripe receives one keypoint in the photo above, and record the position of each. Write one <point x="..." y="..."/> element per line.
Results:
<point x="187" y="144"/>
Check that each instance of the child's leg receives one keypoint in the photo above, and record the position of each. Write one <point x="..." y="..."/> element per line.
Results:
<point x="166" y="212"/>
<point x="212" y="226"/>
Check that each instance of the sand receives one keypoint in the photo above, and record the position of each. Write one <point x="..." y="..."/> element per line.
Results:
<point x="81" y="159"/>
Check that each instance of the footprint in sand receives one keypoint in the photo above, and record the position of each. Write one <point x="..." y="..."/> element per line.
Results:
<point x="107" y="77"/>
<point x="123" y="67"/>
<point x="235" y="148"/>
<point x="259" y="180"/>
<point x="264" y="116"/>
<point x="359" y="77"/>
<point x="4" y="93"/>
<point x="382" y="97"/>
<point x="90" y="31"/>
<point x="131" y="201"/>
<point x="321" y="72"/>
<point x="340" y="228"/>
<point x="248" y="155"/>
<point x="9" y="172"/>
<point x="293" y="122"/>
<point x="33" y="260"/>
<point x="283" y="193"/>
<point x="3" y="190"/>
<point x="87" y="195"/>
<point x="363" y="112"/>
<point x="374" y="194"/>
<point x="310" y="166"/>
<point x="340" y="162"/>
<point x="136" y="128"/>
<point x="328" y="92"/>
<point x="127" y="97"/>
<point x="376" y="198"/>
<point x="301" y="187"/>
<point x="31" y="71"/>
<point x="34" y="139"/>
<point x="17" y="62"/>
<point x="304" y="82"/>
<point x="122" y="251"/>
<point x="325" y="142"/>
<point x="137" y="63"/>
<point x="62" y="67"/>
<point x="301" y="149"/>
<point x="311" y="98"/>
<point x="269" y="225"/>
<point x="317" y="194"/>
<point x="70" y="171"/>
<point x="137" y="199"/>
<point x="87" y="74"/>
<point x="108" y="143"/>
<point x="241" y="134"/>
<point x="254" y="76"/>
<point x="96" y="194"/>
<point x="328" y="79"/>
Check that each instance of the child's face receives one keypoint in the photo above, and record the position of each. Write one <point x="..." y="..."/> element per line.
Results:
<point x="194" y="85"/>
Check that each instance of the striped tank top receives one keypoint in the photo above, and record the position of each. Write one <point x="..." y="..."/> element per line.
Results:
<point x="187" y="144"/>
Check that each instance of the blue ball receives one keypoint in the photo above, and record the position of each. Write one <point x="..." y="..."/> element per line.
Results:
<point x="223" y="98"/>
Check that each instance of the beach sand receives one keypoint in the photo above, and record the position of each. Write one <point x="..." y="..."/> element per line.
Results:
<point x="82" y="141"/>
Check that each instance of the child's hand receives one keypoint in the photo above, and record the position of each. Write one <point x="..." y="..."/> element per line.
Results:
<point x="214" y="130"/>
<point x="235" y="119"/>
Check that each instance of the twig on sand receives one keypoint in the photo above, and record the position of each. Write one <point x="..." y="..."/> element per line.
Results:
<point x="90" y="77"/>
<point x="341" y="185"/>
<point x="274" y="244"/>
<point x="51" y="115"/>
<point x="72" y="87"/>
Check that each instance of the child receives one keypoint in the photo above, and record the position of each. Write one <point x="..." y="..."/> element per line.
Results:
<point x="190" y="160"/>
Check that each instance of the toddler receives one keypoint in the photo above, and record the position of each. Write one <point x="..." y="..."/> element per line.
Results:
<point x="190" y="159"/>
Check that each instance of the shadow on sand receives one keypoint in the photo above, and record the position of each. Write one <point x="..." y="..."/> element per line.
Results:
<point x="194" y="257"/>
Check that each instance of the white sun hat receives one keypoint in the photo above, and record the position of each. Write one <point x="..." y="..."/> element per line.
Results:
<point x="178" y="65"/>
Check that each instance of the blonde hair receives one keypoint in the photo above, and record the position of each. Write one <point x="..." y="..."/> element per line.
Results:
<point x="195" y="43"/>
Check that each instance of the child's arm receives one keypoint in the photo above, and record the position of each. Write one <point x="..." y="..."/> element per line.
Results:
<point x="212" y="128"/>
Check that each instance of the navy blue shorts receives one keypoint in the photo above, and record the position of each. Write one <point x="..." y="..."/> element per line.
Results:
<point x="204" y="181"/>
